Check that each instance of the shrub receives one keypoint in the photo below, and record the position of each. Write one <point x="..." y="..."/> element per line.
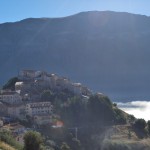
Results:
<point x="140" y="124"/>
<point x="65" y="146"/>
<point x="6" y="137"/>
<point x="32" y="141"/>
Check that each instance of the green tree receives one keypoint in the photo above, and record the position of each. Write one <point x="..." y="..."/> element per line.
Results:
<point x="148" y="126"/>
<point x="73" y="111"/>
<point x="11" y="83"/>
<point x="119" y="116"/>
<point x="32" y="141"/>
<point x="75" y="144"/>
<point x="100" y="109"/>
<point x="140" y="124"/>
<point x="65" y="146"/>
<point x="47" y="95"/>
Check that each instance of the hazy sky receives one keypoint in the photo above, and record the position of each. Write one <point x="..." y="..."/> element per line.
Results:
<point x="14" y="10"/>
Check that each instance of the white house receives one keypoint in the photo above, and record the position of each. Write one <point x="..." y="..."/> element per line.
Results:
<point x="86" y="91"/>
<point x="39" y="108"/>
<point x="18" y="86"/>
<point x="10" y="97"/>
<point x="77" y="88"/>
<point x="30" y="74"/>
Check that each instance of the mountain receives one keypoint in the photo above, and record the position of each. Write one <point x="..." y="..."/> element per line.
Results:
<point x="107" y="51"/>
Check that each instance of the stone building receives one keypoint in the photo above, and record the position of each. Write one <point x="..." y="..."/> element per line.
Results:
<point x="10" y="97"/>
<point x="39" y="108"/>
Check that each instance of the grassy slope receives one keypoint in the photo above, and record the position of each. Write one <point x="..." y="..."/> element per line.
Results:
<point x="117" y="137"/>
<point x="5" y="146"/>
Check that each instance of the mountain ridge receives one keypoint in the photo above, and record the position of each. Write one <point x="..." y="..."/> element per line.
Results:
<point x="84" y="12"/>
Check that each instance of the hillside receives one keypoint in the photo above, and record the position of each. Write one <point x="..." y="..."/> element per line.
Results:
<point x="77" y="121"/>
<point x="107" y="51"/>
<point x="117" y="138"/>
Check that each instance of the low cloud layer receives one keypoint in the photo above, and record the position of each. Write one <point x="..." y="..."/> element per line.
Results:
<point x="140" y="109"/>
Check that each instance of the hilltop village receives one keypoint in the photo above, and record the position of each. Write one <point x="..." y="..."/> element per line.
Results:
<point x="26" y="99"/>
<point x="64" y="111"/>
